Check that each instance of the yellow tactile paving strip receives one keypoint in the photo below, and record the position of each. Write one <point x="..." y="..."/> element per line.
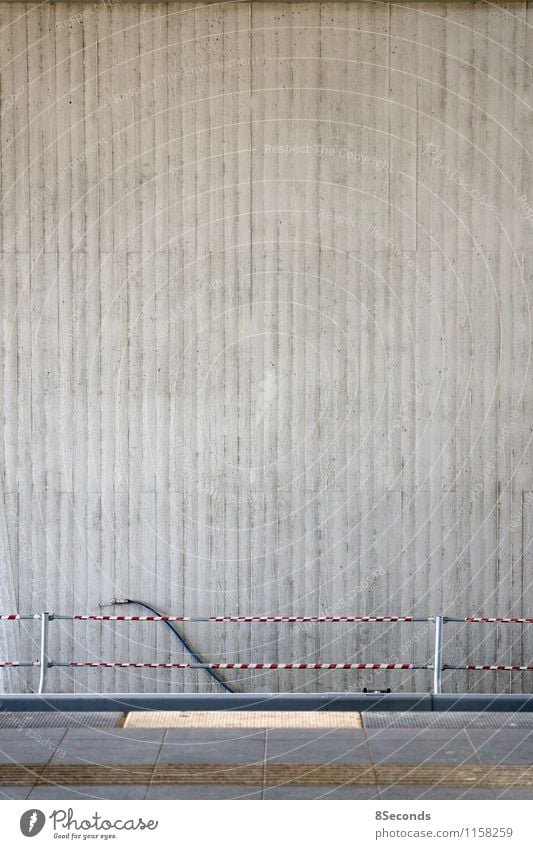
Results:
<point x="243" y="719"/>
<point x="268" y="774"/>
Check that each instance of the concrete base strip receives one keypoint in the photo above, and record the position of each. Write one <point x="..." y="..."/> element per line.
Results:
<point x="125" y="702"/>
<point x="268" y="774"/>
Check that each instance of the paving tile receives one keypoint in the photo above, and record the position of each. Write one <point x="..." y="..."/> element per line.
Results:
<point x="214" y="735"/>
<point x="213" y="746"/>
<point x="31" y="745"/>
<point x="503" y="746"/>
<point x="326" y="792"/>
<point x="14" y="792"/>
<point x="204" y="791"/>
<point x="417" y="746"/>
<point x="87" y="791"/>
<point x="399" y="791"/>
<point x="110" y="746"/>
<point x="515" y="793"/>
<point x="314" y="747"/>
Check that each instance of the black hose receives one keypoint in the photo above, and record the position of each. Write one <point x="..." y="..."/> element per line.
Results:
<point x="182" y="640"/>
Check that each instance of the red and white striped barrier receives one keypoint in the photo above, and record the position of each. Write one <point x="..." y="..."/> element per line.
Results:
<point x="310" y="618"/>
<point x="281" y="618"/>
<point x="495" y="668"/>
<point x="83" y="663"/>
<point x="45" y="662"/>
<point x="515" y="619"/>
<point x="230" y="618"/>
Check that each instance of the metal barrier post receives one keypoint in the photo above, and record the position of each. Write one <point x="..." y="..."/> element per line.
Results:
<point x="437" y="661"/>
<point x="44" y="661"/>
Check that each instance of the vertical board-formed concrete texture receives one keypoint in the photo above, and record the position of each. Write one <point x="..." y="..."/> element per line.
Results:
<point x="265" y="288"/>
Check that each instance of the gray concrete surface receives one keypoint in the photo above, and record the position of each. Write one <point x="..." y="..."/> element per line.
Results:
<point x="266" y="287"/>
<point x="451" y="747"/>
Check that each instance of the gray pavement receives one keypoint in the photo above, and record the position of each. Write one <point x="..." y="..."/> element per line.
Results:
<point x="453" y="747"/>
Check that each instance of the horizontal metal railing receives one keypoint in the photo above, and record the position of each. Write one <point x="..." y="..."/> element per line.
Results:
<point x="45" y="662"/>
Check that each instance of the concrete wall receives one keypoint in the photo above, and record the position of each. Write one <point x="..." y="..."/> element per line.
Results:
<point x="266" y="272"/>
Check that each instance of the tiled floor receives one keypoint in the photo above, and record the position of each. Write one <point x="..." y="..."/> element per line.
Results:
<point x="206" y="791"/>
<point x="109" y="746"/>
<point x="213" y="745"/>
<point x="420" y="745"/>
<point x="88" y="792"/>
<point x="14" y="792"/>
<point x="504" y="746"/>
<point x="326" y="792"/>
<point x="30" y="745"/>
<point x="435" y="746"/>
<point x="406" y="792"/>
<point x="312" y="747"/>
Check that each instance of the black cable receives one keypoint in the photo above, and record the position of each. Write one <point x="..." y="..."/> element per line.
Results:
<point x="182" y="640"/>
